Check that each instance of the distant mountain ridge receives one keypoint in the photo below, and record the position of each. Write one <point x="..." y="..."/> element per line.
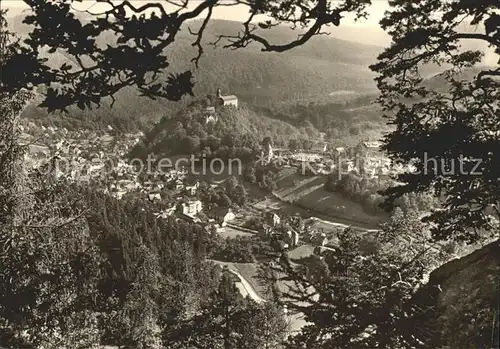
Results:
<point x="320" y="67"/>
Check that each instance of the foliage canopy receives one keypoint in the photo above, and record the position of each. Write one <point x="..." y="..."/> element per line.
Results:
<point x="452" y="134"/>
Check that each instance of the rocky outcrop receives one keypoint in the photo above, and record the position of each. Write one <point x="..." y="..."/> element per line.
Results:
<point x="459" y="306"/>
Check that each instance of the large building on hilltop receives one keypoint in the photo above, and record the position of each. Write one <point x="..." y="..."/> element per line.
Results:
<point x="227" y="100"/>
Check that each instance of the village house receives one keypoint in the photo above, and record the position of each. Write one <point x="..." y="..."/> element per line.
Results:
<point x="266" y="232"/>
<point x="272" y="219"/>
<point x="192" y="189"/>
<point x="320" y="147"/>
<point x="210" y="115"/>
<point x="323" y="168"/>
<point x="308" y="234"/>
<point x="117" y="193"/>
<point x="338" y="153"/>
<point x="368" y="149"/>
<point x="211" y="228"/>
<point x="319" y="239"/>
<point x="154" y="196"/>
<point x="282" y="245"/>
<point x="127" y="184"/>
<point x="322" y="250"/>
<point x="373" y="146"/>
<point x="291" y="237"/>
<point x="192" y="208"/>
<point x="178" y="184"/>
<point x="347" y="166"/>
<point x="306" y="157"/>
<point x="375" y="166"/>
<point x="189" y="218"/>
<point x="224" y="215"/>
<point x="168" y="212"/>
<point x="211" y="118"/>
<point x="152" y="185"/>
<point x="210" y="110"/>
<point x="296" y="220"/>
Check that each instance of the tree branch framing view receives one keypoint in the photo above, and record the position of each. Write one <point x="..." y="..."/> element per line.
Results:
<point x="142" y="37"/>
<point x="309" y="241"/>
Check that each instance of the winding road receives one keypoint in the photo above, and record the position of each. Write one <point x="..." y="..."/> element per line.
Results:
<point x="296" y="320"/>
<point x="246" y="289"/>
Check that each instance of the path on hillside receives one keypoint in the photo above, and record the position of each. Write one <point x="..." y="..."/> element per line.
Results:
<point x="248" y="288"/>
<point x="296" y="320"/>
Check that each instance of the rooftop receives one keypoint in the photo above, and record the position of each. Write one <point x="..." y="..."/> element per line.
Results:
<point x="372" y="144"/>
<point x="229" y="98"/>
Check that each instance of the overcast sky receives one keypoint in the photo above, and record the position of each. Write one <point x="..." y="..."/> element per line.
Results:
<point x="235" y="13"/>
<point x="364" y="31"/>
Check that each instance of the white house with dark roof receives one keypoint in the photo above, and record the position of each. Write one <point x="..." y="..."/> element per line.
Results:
<point x="272" y="219"/>
<point x="227" y="100"/>
<point x="291" y="237"/>
<point x="223" y="215"/>
<point x="339" y="151"/>
<point x="368" y="149"/>
<point x="372" y="145"/>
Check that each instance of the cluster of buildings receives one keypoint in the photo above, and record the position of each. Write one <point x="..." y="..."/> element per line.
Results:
<point x="99" y="159"/>
<point x="281" y="234"/>
<point x="287" y="233"/>
<point x="191" y="209"/>
<point x="44" y="143"/>
<point x="365" y="159"/>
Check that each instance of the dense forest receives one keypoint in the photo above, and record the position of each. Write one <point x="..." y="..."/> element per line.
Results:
<point x="124" y="278"/>
<point x="80" y="269"/>
<point x="342" y="122"/>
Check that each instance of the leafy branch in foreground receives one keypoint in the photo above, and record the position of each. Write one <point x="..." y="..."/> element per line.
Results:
<point x="359" y="294"/>
<point x="138" y="54"/>
<point x="450" y="134"/>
